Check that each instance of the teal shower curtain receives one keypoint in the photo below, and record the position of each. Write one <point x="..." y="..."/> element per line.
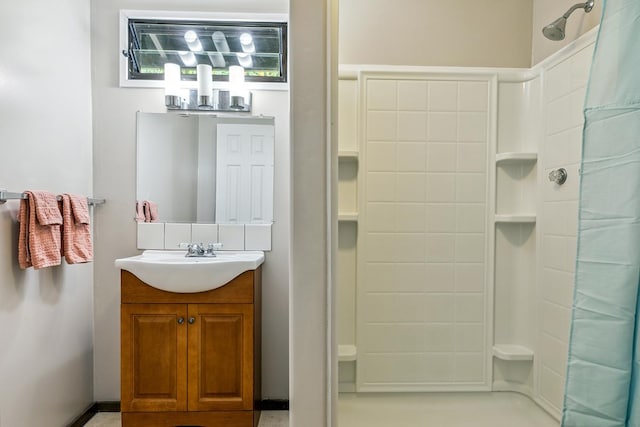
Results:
<point x="604" y="351"/>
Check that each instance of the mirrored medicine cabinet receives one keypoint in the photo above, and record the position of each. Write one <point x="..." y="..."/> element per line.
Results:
<point x="204" y="168"/>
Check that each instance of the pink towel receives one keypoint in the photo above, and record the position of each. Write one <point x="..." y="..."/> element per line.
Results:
<point x="39" y="239"/>
<point x="150" y="211"/>
<point x="139" y="211"/>
<point x="76" y="233"/>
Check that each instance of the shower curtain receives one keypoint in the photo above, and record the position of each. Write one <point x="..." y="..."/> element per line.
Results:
<point x="602" y="374"/>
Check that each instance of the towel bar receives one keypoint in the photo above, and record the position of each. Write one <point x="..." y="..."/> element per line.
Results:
<point x="7" y="195"/>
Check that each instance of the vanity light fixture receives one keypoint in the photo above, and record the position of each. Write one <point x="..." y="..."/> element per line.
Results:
<point x="236" y="86"/>
<point x="205" y="98"/>
<point x="172" y="96"/>
<point x="205" y="85"/>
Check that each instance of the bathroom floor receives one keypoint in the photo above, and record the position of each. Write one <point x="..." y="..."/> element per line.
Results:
<point x="500" y="409"/>
<point x="267" y="419"/>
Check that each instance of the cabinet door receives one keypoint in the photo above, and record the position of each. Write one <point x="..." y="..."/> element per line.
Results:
<point x="154" y="359"/>
<point x="220" y="357"/>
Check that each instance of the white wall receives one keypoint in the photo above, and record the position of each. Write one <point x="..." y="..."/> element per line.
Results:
<point x="46" y="316"/>
<point x="114" y="174"/>
<point x="547" y="11"/>
<point x="565" y="82"/>
<point x="490" y="33"/>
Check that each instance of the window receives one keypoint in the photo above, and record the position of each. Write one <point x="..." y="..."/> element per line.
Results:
<point x="260" y="47"/>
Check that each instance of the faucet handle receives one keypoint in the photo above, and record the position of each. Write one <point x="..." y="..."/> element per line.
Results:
<point x="184" y="245"/>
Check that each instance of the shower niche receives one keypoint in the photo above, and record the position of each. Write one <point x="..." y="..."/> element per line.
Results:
<point x="515" y="235"/>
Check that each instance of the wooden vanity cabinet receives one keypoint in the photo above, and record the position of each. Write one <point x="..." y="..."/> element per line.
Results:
<point x="191" y="359"/>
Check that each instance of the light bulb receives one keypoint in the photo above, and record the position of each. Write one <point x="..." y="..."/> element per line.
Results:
<point x="171" y="79"/>
<point x="246" y="42"/>
<point x="188" y="59"/>
<point x="220" y="40"/>
<point x="205" y="84"/>
<point x="193" y="41"/>
<point x="245" y="60"/>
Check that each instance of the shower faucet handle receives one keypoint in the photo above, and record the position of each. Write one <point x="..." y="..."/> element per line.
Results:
<point x="559" y="176"/>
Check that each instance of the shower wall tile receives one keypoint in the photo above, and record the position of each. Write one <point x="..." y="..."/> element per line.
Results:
<point x="469" y="278"/>
<point x="441" y="187"/>
<point x="441" y="157"/>
<point x="470" y="247"/>
<point x="409" y="217"/>
<point x="410" y="187"/>
<point x="439" y="277"/>
<point x="421" y="301"/>
<point x="554" y="351"/>
<point x="411" y="157"/>
<point x="442" y="127"/>
<point x="468" y="337"/>
<point x="470" y="187"/>
<point x="440" y="247"/>
<point x="551" y="387"/>
<point x="441" y="218"/>
<point x="473" y="96"/>
<point x="564" y="92"/>
<point x="471" y="157"/>
<point x="412" y="96"/>
<point x="443" y="96"/>
<point x="470" y="308"/>
<point x="471" y="218"/>
<point x="381" y="156"/>
<point x="381" y="187"/>
<point x="411" y="126"/>
<point x="469" y="367"/>
<point x="472" y="127"/>
<point x="382" y="126"/>
<point x="381" y="95"/>
<point x="380" y="216"/>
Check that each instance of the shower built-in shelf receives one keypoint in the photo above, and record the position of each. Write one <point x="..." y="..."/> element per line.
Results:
<point x="350" y="155"/>
<point x="512" y="352"/>
<point x="516" y="157"/>
<point x="515" y="219"/>
<point x="348" y="217"/>
<point x="347" y="353"/>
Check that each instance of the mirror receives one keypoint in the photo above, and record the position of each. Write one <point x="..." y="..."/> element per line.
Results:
<point x="201" y="168"/>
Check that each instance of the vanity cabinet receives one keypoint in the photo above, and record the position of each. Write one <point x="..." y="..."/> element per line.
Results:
<point x="190" y="359"/>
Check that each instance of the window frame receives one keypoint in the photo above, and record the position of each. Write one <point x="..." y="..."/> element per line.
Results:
<point x="126" y="15"/>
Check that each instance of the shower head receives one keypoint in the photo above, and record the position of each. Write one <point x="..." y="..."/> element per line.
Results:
<point x="555" y="30"/>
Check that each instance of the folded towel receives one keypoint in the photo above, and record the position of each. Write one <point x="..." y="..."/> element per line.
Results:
<point x="139" y="211"/>
<point x="76" y="233"/>
<point x="24" y="258"/>
<point x="39" y="240"/>
<point x="150" y="211"/>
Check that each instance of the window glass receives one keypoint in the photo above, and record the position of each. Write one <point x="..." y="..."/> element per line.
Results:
<point x="259" y="47"/>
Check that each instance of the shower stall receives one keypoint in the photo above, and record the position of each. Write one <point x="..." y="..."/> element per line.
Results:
<point x="457" y="233"/>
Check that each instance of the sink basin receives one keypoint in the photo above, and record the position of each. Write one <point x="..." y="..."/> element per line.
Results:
<point x="173" y="272"/>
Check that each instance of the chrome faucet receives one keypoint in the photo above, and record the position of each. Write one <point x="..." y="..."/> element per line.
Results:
<point x="198" y="250"/>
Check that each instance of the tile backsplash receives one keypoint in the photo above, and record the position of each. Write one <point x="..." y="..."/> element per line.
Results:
<point x="236" y="237"/>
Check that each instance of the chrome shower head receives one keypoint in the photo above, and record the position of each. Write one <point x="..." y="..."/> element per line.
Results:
<point x="555" y="30"/>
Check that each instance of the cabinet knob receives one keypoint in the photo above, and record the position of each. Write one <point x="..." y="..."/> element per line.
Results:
<point x="192" y="320"/>
<point x="180" y="320"/>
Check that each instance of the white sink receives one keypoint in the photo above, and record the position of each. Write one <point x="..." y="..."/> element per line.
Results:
<point x="173" y="272"/>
